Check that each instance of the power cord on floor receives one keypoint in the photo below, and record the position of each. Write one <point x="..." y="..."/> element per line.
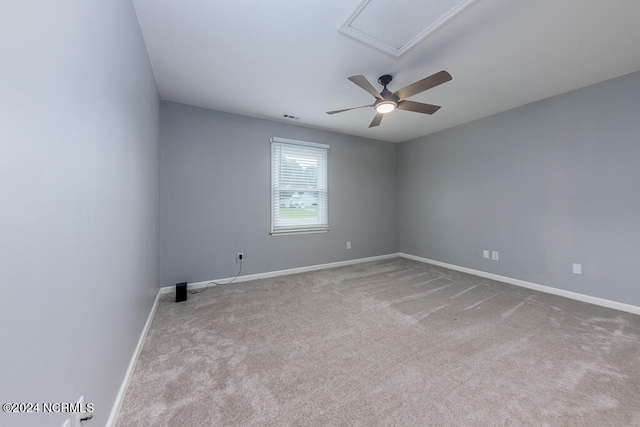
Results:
<point x="220" y="284"/>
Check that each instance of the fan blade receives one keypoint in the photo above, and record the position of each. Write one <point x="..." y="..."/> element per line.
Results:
<point x="424" y="84"/>
<point x="347" y="109"/>
<point x="418" y="107"/>
<point x="376" y="120"/>
<point x="364" y="84"/>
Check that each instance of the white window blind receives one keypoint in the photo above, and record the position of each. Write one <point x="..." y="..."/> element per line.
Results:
<point x="299" y="199"/>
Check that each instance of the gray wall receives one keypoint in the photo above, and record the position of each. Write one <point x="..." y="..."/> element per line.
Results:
<point x="79" y="194"/>
<point x="547" y="184"/>
<point x="215" y="185"/>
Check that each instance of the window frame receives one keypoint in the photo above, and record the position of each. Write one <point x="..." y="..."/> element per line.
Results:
<point x="279" y="229"/>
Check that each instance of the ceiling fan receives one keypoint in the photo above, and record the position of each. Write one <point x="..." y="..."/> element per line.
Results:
<point x="387" y="101"/>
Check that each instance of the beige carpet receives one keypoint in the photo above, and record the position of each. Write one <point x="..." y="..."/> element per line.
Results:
<point x="393" y="342"/>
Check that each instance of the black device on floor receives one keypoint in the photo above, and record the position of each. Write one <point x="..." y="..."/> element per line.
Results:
<point x="181" y="291"/>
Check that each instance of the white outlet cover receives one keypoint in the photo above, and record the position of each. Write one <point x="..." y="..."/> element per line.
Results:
<point x="348" y="245"/>
<point x="495" y="255"/>
<point x="485" y="254"/>
<point x="577" y="268"/>
<point x="75" y="417"/>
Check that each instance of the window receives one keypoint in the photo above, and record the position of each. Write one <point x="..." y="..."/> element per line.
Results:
<point x="298" y="186"/>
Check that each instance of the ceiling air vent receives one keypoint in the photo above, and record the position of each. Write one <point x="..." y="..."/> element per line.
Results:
<point x="290" y="117"/>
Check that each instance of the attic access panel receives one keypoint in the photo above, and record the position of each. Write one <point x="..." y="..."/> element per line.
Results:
<point x="395" y="26"/>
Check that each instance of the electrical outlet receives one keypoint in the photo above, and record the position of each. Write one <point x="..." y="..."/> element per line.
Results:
<point x="577" y="268"/>
<point x="348" y="245"/>
<point x="485" y="254"/>
<point x="80" y="414"/>
<point x="76" y="416"/>
<point x="239" y="257"/>
<point x="495" y="255"/>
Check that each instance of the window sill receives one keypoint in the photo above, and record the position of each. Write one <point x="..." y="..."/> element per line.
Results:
<point x="300" y="231"/>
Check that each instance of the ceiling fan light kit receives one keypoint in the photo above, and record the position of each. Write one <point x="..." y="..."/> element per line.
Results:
<point x="387" y="101"/>
<point x="385" y="107"/>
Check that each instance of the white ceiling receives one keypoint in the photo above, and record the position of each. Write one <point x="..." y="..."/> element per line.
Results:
<point x="264" y="58"/>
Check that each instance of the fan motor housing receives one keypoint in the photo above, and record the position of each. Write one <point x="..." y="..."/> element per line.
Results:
<point x="387" y="96"/>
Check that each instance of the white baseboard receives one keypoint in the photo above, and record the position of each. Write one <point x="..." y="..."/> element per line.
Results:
<point x="542" y="288"/>
<point x="132" y="364"/>
<point x="199" y="285"/>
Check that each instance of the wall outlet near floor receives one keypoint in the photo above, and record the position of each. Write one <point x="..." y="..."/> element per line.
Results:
<point x="348" y="245"/>
<point x="495" y="255"/>
<point x="78" y="414"/>
<point x="239" y="257"/>
<point x="485" y="254"/>
<point x="577" y="268"/>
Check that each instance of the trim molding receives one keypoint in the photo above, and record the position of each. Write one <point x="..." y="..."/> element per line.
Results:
<point x="132" y="364"/>
<point x="351" y="31"/>
<point x="199" y="285"/>
<point x="542" y="288"/>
